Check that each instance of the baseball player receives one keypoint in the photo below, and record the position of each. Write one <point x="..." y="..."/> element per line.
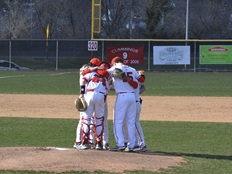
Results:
<point x="140" y="144"/>
<point x="93" y="63"/>
<point x="95" y="86"/>
<point x="140" y="140"/>
<point x="101" y="70"/>
<point x="105" y="66"/>
<point x="125" y="104"/>
<point x="77" y="143"/>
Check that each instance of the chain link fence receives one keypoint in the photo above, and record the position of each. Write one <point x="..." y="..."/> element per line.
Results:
<point x="72" y="54"/>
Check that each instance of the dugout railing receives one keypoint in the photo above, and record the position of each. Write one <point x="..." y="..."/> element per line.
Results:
<point x="72" y="54"/>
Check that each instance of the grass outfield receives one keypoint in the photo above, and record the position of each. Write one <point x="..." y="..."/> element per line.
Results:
<point x="206" y="146"/>
<point x="157" y="84"/>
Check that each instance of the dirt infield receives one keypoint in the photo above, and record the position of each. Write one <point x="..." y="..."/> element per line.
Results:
<point x="202" y="109"/>
<point x="206" y="109"/>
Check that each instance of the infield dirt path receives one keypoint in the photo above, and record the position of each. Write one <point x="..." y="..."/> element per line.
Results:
<point x="206" y="109"/>
<point x="200" y="109"/>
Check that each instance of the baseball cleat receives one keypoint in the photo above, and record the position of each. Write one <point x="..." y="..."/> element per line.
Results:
<point x="85" y="146"/>
<point x="144" y="149"/>
<point x="129" y="149"/>
<point x="91" y="145"/>
<point x="106" y="146"/>
<point x="77" y="145"/>
<point x="136" y="149"/>
<point x="117" y="148"/>
<point x="136" y="146"/>
<point x="98" y="147"/>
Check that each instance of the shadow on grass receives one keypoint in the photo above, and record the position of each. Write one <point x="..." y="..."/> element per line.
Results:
<point x="207" y="156"/>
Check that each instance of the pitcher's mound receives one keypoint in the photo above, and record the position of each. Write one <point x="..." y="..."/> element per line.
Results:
<point x="55" y="159"/>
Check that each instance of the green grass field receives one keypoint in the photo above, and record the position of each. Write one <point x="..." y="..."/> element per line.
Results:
<point x="157" y="84"/>
<point x="205" y="146"/>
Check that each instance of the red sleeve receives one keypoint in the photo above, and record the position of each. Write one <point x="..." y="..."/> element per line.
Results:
<point x="134" y="84"/>
<point x="86" y="71"/>
<point x="141" y="78"/>
<point x="102" y="72"/>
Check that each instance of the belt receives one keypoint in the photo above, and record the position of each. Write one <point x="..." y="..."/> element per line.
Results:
<point x="124" y="92"/>
<point x="92" y="90"/>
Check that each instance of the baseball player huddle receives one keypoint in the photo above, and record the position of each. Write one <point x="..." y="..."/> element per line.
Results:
<point x="96" y="80"/>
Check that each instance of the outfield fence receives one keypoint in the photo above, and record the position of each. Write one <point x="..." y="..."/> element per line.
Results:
<point x="72" y="54"/>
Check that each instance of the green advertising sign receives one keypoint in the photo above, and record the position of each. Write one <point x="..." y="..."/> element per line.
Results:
<point x="214" y="54"/>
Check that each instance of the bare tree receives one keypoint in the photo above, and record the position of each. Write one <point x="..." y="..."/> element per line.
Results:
<point x="76" y="19"/>
<point x="118" y="14"/>
<point x="15" y="21"/>
<point x="208" y="19"/>
<point x="46" y="12"/>
<point x="66" y="18"/>
<point x="71" y="19"/>
<point x="156" y="14"/>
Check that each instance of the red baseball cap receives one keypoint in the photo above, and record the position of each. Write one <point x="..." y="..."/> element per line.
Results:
<point x="95" y="61"/>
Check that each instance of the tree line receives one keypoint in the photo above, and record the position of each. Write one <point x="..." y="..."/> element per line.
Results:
<point x="120" y="19"/>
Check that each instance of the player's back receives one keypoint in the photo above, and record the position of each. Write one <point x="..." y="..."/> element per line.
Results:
<point x="95" y="82"/>
<point x="123" y="85"/>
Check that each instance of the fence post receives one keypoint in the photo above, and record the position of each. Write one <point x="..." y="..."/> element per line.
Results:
<point x="103" y="50"/>
<point x="57" y="52"/>
<point x="10" y="53"/>
<point x="148" y="56"/>
<point x="194" y="56"/>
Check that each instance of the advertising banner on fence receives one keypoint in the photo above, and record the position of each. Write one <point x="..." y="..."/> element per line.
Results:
<point x="171" y="55"/>
<point x="92" y="45"/>
<point x="212" y="54"/>
<point x="132" y="55"/>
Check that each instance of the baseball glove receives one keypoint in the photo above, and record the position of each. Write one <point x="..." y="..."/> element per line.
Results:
<point x="80" y="104"/>
<point x="119" y="74"/>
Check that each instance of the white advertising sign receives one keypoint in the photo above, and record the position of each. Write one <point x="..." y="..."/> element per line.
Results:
<point x="171" y="55"/>
<point x="92" y="45"/>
